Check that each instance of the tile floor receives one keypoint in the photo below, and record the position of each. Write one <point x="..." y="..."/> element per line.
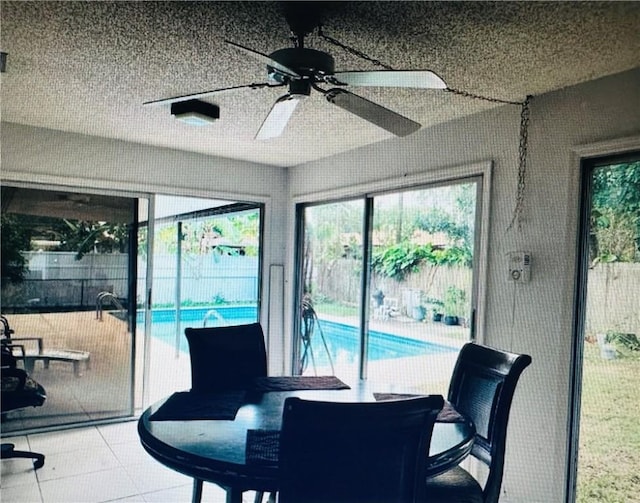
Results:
<point x="95" y="464"/>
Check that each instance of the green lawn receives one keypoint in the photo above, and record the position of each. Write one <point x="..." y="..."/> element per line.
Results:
<point x="609" y="458"/>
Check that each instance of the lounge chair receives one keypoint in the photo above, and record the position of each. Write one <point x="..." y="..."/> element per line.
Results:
<point x="29" y="355"/>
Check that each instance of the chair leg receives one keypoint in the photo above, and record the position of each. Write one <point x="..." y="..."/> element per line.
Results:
<point x="234" y="495"/>
<point x="8" y="451"/>
<point x="197" y="491"/>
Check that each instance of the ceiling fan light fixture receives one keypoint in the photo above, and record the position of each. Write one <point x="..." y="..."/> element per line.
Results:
<point x="195" y="112"/>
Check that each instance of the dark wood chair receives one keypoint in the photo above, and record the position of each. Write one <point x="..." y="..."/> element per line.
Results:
<point x="18" y="392"/>
<point x="333" y="452"/>
<point x="482" y="387"/>
<point x="225" y="358"/>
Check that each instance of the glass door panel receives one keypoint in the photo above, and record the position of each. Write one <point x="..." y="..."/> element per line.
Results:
<point x="403" y="321"/>
<point x="330" y="333"/>
<point x="206" y="270"/>
<point x="609" y="431"/>
<point x="421" y="284"/>
<point x="67" y="284"/>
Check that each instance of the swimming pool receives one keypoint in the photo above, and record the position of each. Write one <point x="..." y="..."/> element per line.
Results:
<point x="342" y="339"/>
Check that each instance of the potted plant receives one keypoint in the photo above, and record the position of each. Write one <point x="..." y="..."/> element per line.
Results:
<point x="418" y="312"/>
<point x="434" y="306"/>
<point x="616" y="343"/>
<point x="453" y="305"/>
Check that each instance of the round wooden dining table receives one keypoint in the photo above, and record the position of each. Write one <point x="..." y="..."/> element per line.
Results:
<point x="216" y="450"/>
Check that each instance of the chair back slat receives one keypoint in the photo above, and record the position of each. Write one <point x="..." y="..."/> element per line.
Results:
<point x="226" y="357"/>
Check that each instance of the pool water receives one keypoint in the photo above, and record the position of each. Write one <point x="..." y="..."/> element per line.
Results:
<point x="342" y="340"/>
<point x="344" y="344"/>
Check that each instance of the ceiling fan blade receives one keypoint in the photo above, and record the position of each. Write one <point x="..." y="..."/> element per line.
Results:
<point x="266" y="59"/>
<point x="204" y="94"/>
<point x="419" y="79"/>
<point x="278" y="117"/>
<point x="372" y="112"/>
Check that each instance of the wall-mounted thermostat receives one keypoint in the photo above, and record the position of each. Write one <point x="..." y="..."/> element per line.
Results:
<point x="519" y="266"/>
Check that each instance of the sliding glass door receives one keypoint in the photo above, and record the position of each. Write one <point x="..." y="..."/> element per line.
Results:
<point x="68" y="294"/>
<point x="387" y="286"/>
<point x="109" y="298"/>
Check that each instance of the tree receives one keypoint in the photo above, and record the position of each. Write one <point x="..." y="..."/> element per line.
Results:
<point x="14" y="240"/>
<point x="399" y="260"/>
<point x="83" y="236"/>
<point x="615" y="213"/>
<point x="80" y="236"/>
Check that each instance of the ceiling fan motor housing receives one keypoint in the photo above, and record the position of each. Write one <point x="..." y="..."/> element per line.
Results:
<point x="309" y="63"/>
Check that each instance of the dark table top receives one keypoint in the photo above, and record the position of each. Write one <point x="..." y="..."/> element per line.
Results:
<point x="214" y="450"/>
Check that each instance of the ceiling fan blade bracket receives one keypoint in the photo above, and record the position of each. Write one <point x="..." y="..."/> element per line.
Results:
<point x="265" y="59"/>
<point x="206" y="94"/>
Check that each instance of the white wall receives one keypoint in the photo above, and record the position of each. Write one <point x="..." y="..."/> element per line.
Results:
<point x="540" y="321"/>
<point x="540" y="324"/>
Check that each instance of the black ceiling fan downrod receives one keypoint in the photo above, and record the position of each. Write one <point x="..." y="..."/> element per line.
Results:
<point x="302" y="18"/>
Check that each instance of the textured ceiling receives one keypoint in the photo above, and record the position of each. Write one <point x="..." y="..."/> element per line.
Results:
<point x="87" y="67"/>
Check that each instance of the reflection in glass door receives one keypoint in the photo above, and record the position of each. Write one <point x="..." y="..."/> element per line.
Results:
<point x="329" y="341"/>
<point x="405" y="319"/>
<point x="68" y="263"/>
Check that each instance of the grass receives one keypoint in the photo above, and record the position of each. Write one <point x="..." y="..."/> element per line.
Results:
<point x="336" y="309"/>
<point x="609" y="456"/>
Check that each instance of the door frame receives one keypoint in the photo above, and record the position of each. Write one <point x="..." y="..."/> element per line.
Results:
<point x="585" y="157"/>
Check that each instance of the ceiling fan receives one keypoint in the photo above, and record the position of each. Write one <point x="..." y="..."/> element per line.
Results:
<point x="302" y="69"/>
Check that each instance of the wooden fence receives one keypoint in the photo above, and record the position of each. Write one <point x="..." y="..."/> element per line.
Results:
<point x="613" y="298"/>
<point x="340" y="280"/>
<point x="613" y="291"/>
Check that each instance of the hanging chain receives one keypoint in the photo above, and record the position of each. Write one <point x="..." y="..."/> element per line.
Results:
<point x="522" y="165"/>
<point x="524" y="124"/>
<point x="479" y="97"/>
